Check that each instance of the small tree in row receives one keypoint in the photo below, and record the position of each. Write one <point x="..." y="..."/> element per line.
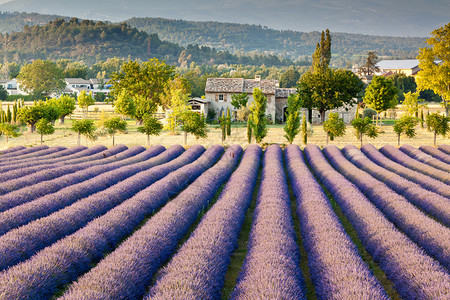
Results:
<point x="193" y="123"/>
<point x="114" y="125"/>
<point x="44" y="127"/>
<point x="438" y="124"/>
<point x="334" y="126"/>
<point x="9" y="130"/>
<point x="84" y="127"/>
<point x="150" y="126"/>
<point x="405" y="125"/>
<point x="258" y="118"/>
<point x="292" y="127"/>
<point x="364" y="127"/>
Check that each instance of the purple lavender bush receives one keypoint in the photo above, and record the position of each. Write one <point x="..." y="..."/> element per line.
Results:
<point x="213" y="240"/>
<point x="432" y="203"/>
<point x="75" y="254"/>
<point x="10" y="150"/>
<point x="444" y="148"/>
<point x="19" y="244"/>
<point x="79" y="185"/>
<point x="432" y="236"/>
<point x="126" y="272"/>
<point x="21" y="153"/>
<point x="405" y="160"/>
<point x="436" y="153"/>
<point x="414" y="274"/>
<point x="42" y="153"/>
<point x="424" y="181"/>
<point x="337" y="270"/>
<point x="425" y="158"/>
<point x="271" y="269"/>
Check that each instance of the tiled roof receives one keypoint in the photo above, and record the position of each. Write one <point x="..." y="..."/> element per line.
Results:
<point x="240" y="85"/>
<point x="77" y="81"/>
<point x="201" y="100"/>
<point x="224" y="85"/>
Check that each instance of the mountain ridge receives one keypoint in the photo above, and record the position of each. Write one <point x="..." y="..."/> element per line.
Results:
<point x="383" y="17"/>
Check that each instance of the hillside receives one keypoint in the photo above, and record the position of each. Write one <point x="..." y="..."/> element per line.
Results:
<point x="93" y="41"/>
<point x="293" y="44"/>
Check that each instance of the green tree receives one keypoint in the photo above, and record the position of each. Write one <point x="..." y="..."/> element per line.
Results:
<point x="438" y="124"/>
<point x="84" y="127"/>
<point x="150" y="126"/>
<point x="432" y="75"/>
<point x="404" y="84"/>
<point x="9" y="130"/>
<point x="304" y="130"/>
<point x="239" y="100"/>
<point x="249" y="130"/>
<point x="364" y="127"/>
<point x="193" y="123"/>
<point x="334" y="126"/>
<point x="405" y="125"/>
<point x="3" y="93"/>
<point x="223" y="126"/>
<point x="258" y="117"/>
<point x="292" y="126"/>
<point x="44" y="127"/>
<point x="322" y="55"/>
<point x="412" y="105"/>
<point x="370" y="64"/>
<point x="41" y="78"/>
<point x="65" y="105"/>
<point x="228" y="120"/>
<point x="145" y="82"/>
<point x="115" y="124"/>
<point x="328" y="89"/>
<point x="381" y="95"/>
<point x="30" y="114"/>
<point x="178" y="105"/>
<point x="289" y="78"/>
<point x="85" y="100"/>
<point x="8" y="115"/>
<point x="125" y="105"/>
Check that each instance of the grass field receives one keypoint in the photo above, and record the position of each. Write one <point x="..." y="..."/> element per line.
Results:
<point x="63" y="136"/>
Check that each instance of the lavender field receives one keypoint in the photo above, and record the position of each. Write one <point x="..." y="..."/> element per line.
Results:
<point x="136" y="223"/>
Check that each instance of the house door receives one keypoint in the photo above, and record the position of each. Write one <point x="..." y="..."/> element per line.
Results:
<point x="284" y="114"/>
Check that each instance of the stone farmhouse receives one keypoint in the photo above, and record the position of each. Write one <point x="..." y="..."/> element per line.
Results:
<point x="218" y="94"/>
<point x="409" y="67"/>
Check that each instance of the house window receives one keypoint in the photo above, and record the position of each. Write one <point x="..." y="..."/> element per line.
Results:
<point x="10" y="86"/>
<point x="221" y="97"/>
<point x="195" y="107"/>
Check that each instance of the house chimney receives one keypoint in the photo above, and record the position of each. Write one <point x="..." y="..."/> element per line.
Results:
<point x="258" y="77"/>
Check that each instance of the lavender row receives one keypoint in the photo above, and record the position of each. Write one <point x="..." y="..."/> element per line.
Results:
<point x="425" y="158"/>
<point x="91" y="155"/>
<point x="61" y="154"/>
<point x="444" y="148"/>
<point x="70" y="257"/>
<point x="411" y="163"/>
<point x="35" y="154"/>
<point x="51" y="183"/>
<point x="432" y="236"/>
<point x="213" y="240"/>
<point x="432" y="203"/>
<point x="337" y="270"/>
<point x="10" y="150"/>
<point x="19" y="244"/>
<point x="436" y="153"/>
<point x="271" y="269"/>
<point x="17" y="154"/>
<point x="126" y="272"/>
<point x="73" y="152"/>
<point x="414" y="274"/>
<point x="78" y="185"/>
<point x="424" y="181"/>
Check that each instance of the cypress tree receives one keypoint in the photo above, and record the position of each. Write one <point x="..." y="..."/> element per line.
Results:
<point x="304" y="130"/>
<point x="249" y="130"/>
<point x="228" y="122"/>
<point x="8" y="115"/>
<point x="15" y="112"/>
<point x="223" y="126"/>
<point x="421" y="118"/>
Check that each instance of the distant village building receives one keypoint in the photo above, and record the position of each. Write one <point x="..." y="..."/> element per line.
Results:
<point x="218" y="94"/>
<point x="409" y="67"/>
<point x="76" y="85"/>
<point x="10" y="86"/>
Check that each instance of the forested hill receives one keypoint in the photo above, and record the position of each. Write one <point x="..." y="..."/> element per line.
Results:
<point x="293" y="44"/>
<point x="94" y="41"/>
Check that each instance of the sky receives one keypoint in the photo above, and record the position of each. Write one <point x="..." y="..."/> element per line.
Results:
<point x="375" y="17"/>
